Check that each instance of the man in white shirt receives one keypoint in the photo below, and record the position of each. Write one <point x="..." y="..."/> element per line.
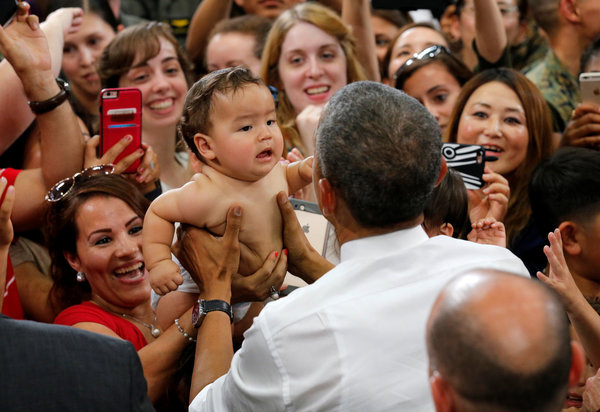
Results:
<point x="523" y="360"/>
<point x="354" y="339"/>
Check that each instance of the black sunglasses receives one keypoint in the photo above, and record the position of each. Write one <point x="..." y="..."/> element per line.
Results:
<point x="62" y="188"/>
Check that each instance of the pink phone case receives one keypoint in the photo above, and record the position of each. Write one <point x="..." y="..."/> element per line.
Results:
<point x="120" y="115"/>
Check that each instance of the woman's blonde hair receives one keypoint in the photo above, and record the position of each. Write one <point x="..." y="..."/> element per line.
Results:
<point x="326" y="20"/>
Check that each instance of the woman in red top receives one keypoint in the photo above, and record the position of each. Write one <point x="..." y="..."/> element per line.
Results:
<point x="94" y="234"/>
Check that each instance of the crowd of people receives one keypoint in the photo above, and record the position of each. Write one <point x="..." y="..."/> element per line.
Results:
<point x="165" y="284"/>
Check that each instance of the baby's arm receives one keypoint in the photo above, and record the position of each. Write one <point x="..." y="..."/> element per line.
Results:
<point x="156" y="241"/>
<point x="299" y="174"/>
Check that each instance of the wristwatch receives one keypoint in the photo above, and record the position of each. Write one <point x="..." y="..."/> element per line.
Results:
<point x="202" y="307"/>
<point x="52" y="103"/>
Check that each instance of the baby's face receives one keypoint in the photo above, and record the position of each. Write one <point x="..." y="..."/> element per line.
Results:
<point x="246" y="138"/>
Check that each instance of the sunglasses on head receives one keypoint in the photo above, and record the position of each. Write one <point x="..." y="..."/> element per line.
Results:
<point x="426" y="54"/>
<point x="62" y="188"/>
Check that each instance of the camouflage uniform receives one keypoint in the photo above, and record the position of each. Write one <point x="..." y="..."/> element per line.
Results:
<point x="176" y="13"/>
<point x="559" y="87"/>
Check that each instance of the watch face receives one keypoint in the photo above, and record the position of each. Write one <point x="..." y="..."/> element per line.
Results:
<point x="196" y="314"/>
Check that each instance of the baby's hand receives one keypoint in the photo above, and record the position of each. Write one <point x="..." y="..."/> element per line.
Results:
<point x="306" y="169"/>
<point x="165" y="277"/>
<point x="488" y="231"/>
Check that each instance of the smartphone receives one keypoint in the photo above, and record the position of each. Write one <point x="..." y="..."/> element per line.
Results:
<point x="8" y="9"/>
<point x="120" y="115"/>
<point x="590" y="87"/>
<point x="468" y="160"/>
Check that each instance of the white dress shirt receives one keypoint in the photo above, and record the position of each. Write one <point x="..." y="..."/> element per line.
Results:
<point x="355" y="339"/>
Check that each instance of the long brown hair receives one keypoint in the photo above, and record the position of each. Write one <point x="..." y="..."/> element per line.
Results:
<point x="326" y="20"/>
<point x="61" y="231"/>
<point x="540" y="145"/>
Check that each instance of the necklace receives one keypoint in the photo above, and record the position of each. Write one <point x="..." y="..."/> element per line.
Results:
<point x="154" y="331"/>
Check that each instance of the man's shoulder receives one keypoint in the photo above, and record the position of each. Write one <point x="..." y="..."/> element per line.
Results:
<point x="21" y="333"/>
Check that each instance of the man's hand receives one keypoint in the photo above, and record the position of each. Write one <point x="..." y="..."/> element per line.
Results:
<point x="303" y="260"/>
<point x="212" y="261"/>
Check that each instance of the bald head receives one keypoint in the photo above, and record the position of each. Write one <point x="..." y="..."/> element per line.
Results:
<point x="501" y="341"/>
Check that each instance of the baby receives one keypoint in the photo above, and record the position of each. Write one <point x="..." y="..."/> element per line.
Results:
<point x="229" y="123"/>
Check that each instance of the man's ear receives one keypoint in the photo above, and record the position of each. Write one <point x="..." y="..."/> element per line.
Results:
<point x="455" y="26"/>
<point x="570" y="233"/>
<point x="569" y="10"/>
<point x="441" y="392"/>
<point x="327" y="196"/>
<point x="443" y="171"/>
<point x="73" y="260"/>
<point x="204" y="144"/>
<point x="577" y="363"/>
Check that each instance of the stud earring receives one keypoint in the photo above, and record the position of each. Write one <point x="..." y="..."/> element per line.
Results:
<point x="80" y="277"/>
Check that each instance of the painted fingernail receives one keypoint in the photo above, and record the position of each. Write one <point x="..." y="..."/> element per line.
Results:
<point x="285" y="252"/>
<point x="276" y="254"/>
<point x="129" y="138"/>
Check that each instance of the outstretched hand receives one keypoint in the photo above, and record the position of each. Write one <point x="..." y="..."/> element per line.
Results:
<point x="559" y="277"/>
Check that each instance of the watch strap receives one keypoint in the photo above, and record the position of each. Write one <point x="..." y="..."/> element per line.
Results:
<point x="220" y="305"/>
<point x="52" y="103"/>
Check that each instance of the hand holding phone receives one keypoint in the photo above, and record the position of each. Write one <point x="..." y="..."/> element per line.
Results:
<point x="590" y="88"/>
<point x="8" y="9"/>
<point x="121" y="115"/>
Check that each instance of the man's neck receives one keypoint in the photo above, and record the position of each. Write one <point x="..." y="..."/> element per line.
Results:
<point x="354" y="231"/>
<point x="569" y="45"/>
<point x="589" y="288"/>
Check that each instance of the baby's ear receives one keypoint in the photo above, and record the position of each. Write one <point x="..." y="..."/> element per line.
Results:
<point x="204" y="144"/>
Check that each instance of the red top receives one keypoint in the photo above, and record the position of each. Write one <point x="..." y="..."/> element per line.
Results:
<point x="90" y="312"/>
<point x="12" y="304"/>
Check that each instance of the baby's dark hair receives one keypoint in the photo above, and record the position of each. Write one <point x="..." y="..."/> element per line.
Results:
<point x="448" y="204"/>
<point x="199" y="100"/>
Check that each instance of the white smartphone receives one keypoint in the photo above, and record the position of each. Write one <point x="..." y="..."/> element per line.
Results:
<point x="590" y="87"/>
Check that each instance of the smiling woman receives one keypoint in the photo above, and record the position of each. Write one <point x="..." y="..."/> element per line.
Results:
<point x="94" y="235"/>
<point x="148" y="57"/>
<point x="506" y="113"/>
<point x="308" y="56"/>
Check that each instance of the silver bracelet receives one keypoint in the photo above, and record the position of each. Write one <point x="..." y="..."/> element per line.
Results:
<point x="183" y="332"/>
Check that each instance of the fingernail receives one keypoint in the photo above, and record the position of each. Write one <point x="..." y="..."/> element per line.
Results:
<point x="276" y="254"/>
<point x="237" y="211"/>
<point x="141" y="170"/>
<point x="129" y="138"/>
<point x="284" y="199"/>
<point x="285" y="252"/>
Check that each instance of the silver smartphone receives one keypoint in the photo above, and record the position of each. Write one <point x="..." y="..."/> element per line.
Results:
<point x="590" y="87"/>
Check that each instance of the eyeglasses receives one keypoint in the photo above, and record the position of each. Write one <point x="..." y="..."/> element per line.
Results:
<point x="62" y="188"/>
<point x="429" y="53"/>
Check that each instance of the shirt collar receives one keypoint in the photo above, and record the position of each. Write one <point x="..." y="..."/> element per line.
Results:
<point x="385" y="244"/>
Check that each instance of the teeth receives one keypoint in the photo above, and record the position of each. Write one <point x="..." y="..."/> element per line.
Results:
<point x="127" y="269"/>
<point x="317" y="90"/>
<point x="165" y="104"/>
<point x="492" y="149"/>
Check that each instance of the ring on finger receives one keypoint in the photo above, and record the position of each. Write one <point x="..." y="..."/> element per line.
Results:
<point x="274" y="293"/>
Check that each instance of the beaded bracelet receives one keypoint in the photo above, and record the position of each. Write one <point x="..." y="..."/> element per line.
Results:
<point x="183" y="332"/>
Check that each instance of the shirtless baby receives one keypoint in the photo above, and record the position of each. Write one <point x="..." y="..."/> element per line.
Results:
<point x="229" y="123"/>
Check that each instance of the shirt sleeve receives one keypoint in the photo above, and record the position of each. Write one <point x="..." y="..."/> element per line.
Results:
<point x="254" y="381"/>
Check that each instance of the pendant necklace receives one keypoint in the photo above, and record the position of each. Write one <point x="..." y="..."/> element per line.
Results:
<point x="154" y="331"/>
